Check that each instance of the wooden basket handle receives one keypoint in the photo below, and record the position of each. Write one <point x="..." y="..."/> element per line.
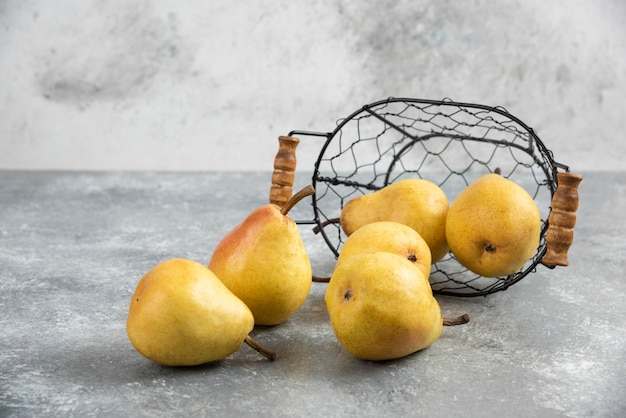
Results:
<point x="560" y="233"/>
<point x="284" y="170"/>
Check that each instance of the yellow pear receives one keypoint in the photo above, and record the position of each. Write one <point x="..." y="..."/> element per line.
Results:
<point x="493" y="226"/>
<point x="182" y="315"/>
<point x="392" y="237"/>
<point x="263" y="262"/>
<point x="381" y="307"/>
<point x="418" y="203"/>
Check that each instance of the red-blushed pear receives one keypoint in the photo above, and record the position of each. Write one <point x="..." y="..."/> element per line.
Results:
<point x="263" y="261"/>
<point x="182" y="315"/>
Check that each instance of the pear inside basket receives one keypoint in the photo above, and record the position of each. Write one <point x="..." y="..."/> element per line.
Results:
<point x="450" y="144"/>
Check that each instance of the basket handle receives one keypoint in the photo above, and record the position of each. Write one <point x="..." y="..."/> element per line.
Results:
<point x="284" y="169"/>
<point x="560" y="233"/>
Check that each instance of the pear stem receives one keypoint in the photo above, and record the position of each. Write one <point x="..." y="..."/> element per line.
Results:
<point x="324" y="224"/>
<point x="459" y="320"/>
<point x="308" y="190"/>
<point x="320" y="279"/>
<point x="265" y="352"/>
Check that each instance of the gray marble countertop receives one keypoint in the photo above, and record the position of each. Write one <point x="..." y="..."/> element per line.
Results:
<point x="73" y="245"/>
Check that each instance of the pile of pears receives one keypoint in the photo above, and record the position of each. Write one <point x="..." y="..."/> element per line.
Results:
<point x="379" y="299"/>
<point x="184" y="313"/>
<point x="492" y="228"/>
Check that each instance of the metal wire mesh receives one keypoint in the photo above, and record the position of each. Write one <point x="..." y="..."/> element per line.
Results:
<point x="446" y="142"/>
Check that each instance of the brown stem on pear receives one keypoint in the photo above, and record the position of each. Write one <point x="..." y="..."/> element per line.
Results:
<point x="498" y="171"/>
<point x="320" y="279"/>
<point x="265" y="352"/>
<point x="459" y="320"/>
<point x="308" y="190"/>
<point x="324" y="224"/>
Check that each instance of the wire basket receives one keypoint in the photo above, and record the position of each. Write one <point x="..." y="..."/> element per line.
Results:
<point x="450" y="144"/>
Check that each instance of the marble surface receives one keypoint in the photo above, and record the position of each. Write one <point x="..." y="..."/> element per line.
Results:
<point x="92" y="85"/>
<point x="73" y="245"/>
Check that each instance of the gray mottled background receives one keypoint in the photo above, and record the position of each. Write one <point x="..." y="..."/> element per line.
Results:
<point x="197" y="85"/>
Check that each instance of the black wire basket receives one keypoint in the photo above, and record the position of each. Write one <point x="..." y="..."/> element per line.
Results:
<point x="450" y="144"/>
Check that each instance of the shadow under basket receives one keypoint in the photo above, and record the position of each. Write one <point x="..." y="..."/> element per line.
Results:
<point x="448" y="143"/>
